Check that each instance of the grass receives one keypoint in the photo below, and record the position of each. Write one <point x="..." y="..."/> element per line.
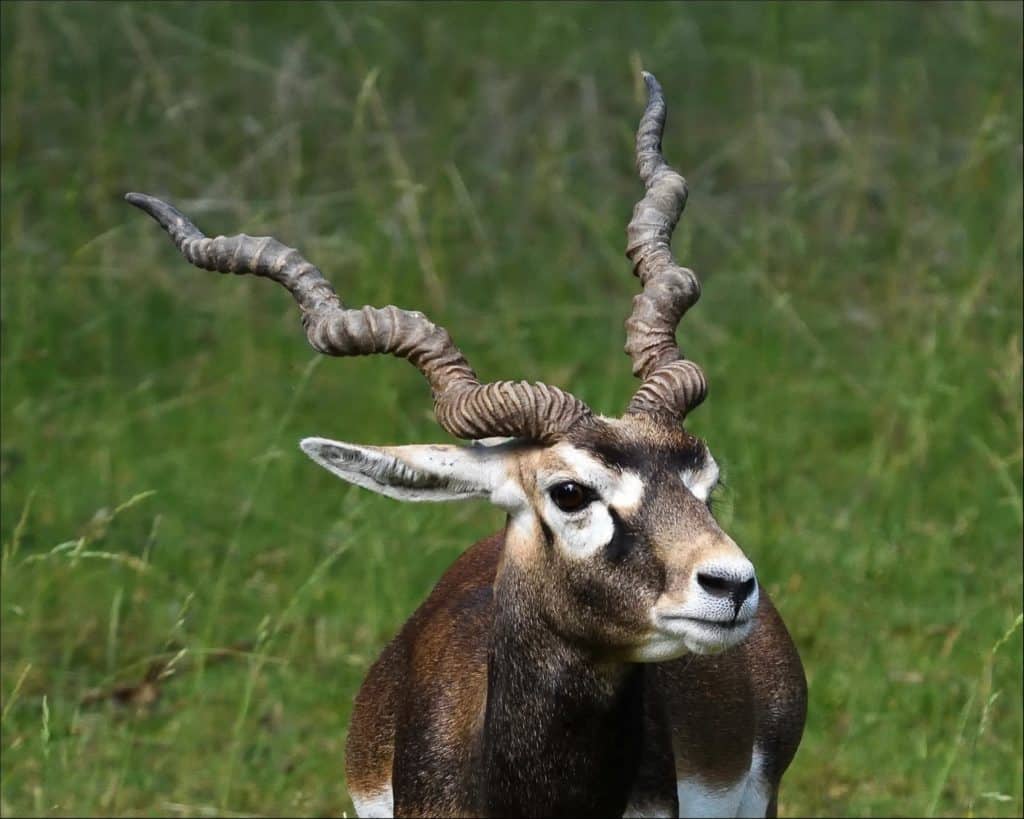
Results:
<point x="189" y="605"/>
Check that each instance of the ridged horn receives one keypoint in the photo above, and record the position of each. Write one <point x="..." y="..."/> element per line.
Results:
<point x="464" y="407"/>
<point x="671" y="385"/>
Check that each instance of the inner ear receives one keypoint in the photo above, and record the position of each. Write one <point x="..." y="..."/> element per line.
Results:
<point x="411" y="473"/>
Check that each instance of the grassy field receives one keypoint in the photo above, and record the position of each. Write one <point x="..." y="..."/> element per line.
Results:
<point x="189" y="604"/>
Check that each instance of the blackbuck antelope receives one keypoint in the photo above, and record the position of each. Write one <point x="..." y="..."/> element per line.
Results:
<point x="609" y="651"/>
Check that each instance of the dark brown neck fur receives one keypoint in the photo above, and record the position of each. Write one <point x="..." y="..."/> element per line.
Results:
<point x="562" y="732"/>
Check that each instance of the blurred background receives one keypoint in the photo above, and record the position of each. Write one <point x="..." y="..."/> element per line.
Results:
<point x="189" y="604"/>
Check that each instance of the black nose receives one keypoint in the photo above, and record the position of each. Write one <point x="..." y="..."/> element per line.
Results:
<point x="736" y="590"/>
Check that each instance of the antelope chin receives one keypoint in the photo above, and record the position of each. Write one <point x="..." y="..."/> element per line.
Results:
<point x="658" y="648"/>
<point x="704" y="636"/>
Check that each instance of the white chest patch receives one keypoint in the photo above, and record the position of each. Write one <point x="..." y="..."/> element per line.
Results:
<point x="379" y="804"/>
<point x="748" y="796"/>
<point x="696" y="798"/>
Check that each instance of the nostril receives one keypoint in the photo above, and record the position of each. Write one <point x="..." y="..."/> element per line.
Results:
<point x="716" y="586"/>
<point x="736" y="590"/>
<point x="742" y="592"/>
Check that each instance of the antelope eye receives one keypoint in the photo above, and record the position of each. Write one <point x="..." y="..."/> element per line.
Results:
<point x="570" y="497"/>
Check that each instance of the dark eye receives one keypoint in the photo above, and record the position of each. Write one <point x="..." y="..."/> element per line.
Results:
<point x="570" y="497"/>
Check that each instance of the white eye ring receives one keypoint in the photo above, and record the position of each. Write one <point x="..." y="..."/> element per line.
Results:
<point x="701" y="482"/>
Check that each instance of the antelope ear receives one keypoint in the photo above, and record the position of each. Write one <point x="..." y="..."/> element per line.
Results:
<point x="412" y="473"/>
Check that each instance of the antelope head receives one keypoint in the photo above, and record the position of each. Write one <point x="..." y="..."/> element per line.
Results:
<point x="609" y="521"/>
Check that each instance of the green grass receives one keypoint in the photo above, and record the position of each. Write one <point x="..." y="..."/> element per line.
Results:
<point x="855" y="215"/>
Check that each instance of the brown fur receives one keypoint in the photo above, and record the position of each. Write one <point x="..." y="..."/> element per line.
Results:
<point x="419" y="717"/>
